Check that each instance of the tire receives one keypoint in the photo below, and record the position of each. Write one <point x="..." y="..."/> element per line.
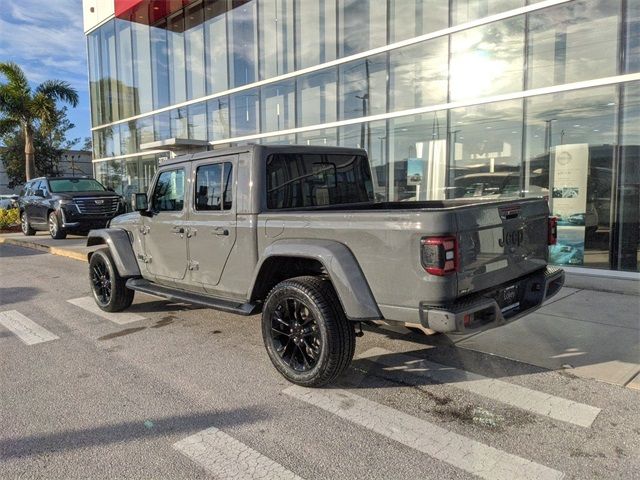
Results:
<point x="26" y="227"/>
<point x="308" y="338"/>
<point x="108" y="287"/>
<point x="55" y="230"/>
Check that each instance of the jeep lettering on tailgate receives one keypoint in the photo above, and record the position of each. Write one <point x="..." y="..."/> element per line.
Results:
<point x="512" y="239"/>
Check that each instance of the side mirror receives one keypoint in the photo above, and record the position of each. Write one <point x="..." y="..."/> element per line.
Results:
<point x="39" y="193"/>
<point x="110" y="189"/>
<point x="139" y="202"/>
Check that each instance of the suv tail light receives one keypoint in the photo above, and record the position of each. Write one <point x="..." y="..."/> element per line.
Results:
<point x="553" y="231"/>
<point x="439" y="255"/>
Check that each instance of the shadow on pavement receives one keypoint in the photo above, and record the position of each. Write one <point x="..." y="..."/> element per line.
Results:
<point x="125" y="432"/>
<point x="10" y="295"/>
<point x="7" y="251"/>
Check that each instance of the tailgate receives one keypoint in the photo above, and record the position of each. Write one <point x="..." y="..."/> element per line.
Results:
<point x="500" y="241"/>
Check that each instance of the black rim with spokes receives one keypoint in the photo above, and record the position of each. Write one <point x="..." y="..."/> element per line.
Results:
<point x="101" y="281"/>
<point x="295" y="335"/>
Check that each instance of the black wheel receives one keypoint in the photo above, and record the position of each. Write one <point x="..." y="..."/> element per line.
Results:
<point x="55" y="230"/>
<point x="25" y="225"/>
<point x="108" y="287"/>
<point x="306" y="333"/>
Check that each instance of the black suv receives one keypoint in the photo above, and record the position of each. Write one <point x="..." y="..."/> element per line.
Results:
<point x="64" y="205"/>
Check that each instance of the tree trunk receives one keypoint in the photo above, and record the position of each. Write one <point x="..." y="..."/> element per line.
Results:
<point x="29" y="155"/>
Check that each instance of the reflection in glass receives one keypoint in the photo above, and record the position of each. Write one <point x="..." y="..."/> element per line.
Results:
<point x="194" y="50"/>
<point x="112" y="140"/>
<point x="144" y="130"/>
<point x="243" y="49"/>
<point x="142" y="67"/>
<point x="467" y="10"/>
<point x="110" y="174"/>
<point x="244" y="112"/>
<point x="128" y="138"/>
<point x="315" y="32"/>
<point x="95" y="78"/>
<point x="576" y="127"/>
<point x="632" y="43"/>
<point x="109" y="75"/>
<point x="278" y="106"/>
<point x="276" y="37"/>
<point x="161" y="126"/>
<point x="179" y="123"/>
<point x="363" y="87"/>
<point x="326" y="136"/>
<point x="563" y="47"/>
<point x="126" y="93"/>
<point x="412" y="18"/>
<point x="363" y="25"/>
<point x="159" y="65"/>
<point x="279" y="140"/>
<point x="487" y="60"/>
<point x="317" y="97"/>
<point x="215" y="29"/>
<point x="418" y="75"/>
<point x="177" y="73"/>
<point x="197" y="121"/>
<point x="218" y="114"/>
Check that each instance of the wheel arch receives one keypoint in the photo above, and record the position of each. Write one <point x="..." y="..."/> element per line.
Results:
<point x="286" y="259"/>
<point x="119" y="245"/>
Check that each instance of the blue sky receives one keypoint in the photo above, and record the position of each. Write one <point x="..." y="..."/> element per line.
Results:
<point x="46" y="39"/>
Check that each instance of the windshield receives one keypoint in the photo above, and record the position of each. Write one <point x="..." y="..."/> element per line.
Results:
<point x="62" y="185"/>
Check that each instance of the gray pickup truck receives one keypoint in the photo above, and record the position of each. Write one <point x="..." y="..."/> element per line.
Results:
<point x="293" y="232"/>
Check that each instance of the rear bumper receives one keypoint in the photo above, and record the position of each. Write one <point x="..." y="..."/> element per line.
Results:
<point x="484" y="310"/>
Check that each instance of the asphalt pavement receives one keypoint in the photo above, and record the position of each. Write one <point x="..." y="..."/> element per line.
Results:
<point x="168" y="390"/>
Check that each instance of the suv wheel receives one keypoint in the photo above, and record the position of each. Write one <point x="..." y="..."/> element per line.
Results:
<point x="55" y="229"/>
<point x="26" y="227"/>
<point x="108" y="287"/>
<point x="305" y="331"/>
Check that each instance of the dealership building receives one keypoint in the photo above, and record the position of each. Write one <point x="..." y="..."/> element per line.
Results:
<point x="450" y="98"/>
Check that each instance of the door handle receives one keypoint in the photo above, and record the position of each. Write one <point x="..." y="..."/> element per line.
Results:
<point x="178" y="230"/>
<point x="220" y="231"/>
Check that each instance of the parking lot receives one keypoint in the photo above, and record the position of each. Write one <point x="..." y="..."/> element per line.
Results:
<point x="168" y="390"/>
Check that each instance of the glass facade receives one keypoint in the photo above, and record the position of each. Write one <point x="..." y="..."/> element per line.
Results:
<point x="448" y="100"/>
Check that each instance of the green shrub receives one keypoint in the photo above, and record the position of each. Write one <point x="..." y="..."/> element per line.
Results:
<point x="9" y="218"/>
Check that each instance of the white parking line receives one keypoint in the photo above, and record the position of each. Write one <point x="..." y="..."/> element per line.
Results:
<point x="530" y="400"/>
<point x="25" y="329"/>
<point x="459" y="451"/>
<point x="225" y="457"/>
<point x="89" y="304"/>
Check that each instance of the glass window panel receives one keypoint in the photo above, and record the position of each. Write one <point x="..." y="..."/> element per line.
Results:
<point x="626" y="244"/>
<point x="279" y="140"/>
<point x="215" y="29"/>
<point x="467" y="10"/>
<point x="214" y="188"/>
<point x="278" y="106"/>
<point x="110" y="173"/>
<point x="243" y="64"/>
<point x="98" y="143"/>
<point x="363" y="87"/>
<point x="315" y="32"/>
<point x="487" y="60"/>
<point x="95" y="78"/>
<point x="127" y="98"/>
<point x="569" y="153"/>
<point x="317" y="95"/>
<point x="417" y="157"/>
<point x="244" y="112"/>
<point x="418" y="75"/>
<point x="144" y="130"/>
<point x="363" y="25"/>
<point x="160" y="66"/>
<point x="486" y="151"/>
<point x="411" y="18"/>
<point x="177" y="60"/>
<point x="218" y="114"/>
<point x="632" y="41"/>
<point x="194" y="45"/>
<point x="161" y="126"/>
<point x="168" y="193"/>
<point x="198" y="121"/>
<point x="276" y="37"/>
<point x="179" y="123"/>
<point x="325" y="136"/>
<point x="142" y="67"/>
<point x="112" y="141"/>
<point x="109" y="73"/>
<point x="563" y="47"/>
<point x="128" y="138"/>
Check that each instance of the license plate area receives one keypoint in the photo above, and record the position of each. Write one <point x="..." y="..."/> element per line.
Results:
<point x="508" y="298"/>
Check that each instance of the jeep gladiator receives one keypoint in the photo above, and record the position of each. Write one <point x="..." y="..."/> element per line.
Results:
<point x="293" y="232"/>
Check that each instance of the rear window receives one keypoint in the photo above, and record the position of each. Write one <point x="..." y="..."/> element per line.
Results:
<point x="75" y="185"/>
<point x="296" y="180"/>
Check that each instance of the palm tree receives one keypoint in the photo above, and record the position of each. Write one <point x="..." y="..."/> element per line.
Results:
<point x="30" y="110"/>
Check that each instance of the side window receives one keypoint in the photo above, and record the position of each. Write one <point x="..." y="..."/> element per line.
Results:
<point x="43" y="186"/>
<point x="26" y="190"/>
<point x="168" y="194"/>
<point x="214" y="187"/>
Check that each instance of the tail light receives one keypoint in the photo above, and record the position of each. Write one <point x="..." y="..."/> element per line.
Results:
<point x="439" y="255"/>
<point x="553" y="231"/>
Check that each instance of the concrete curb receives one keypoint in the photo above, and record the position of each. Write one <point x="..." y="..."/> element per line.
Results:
<point x="63" y="252"/>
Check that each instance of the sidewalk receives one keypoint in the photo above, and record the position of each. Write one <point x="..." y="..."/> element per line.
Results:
<point x="589" y="333"/>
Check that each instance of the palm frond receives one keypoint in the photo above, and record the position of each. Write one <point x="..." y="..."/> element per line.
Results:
<point x="58" y="90"/>
<point x="43" y="109"/>
<point x="8" y="125"/>
<point x="16" y="77"/>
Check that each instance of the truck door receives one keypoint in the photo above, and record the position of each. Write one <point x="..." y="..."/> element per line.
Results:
<point x="212" y="219"/>
<point x="165" y="240"/>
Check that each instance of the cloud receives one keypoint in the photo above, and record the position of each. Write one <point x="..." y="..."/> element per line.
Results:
<point x="47" y="42"/>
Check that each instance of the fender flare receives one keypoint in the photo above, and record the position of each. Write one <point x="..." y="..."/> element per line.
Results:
<point x="342" y="267"/>
<point x="117" y="240"/>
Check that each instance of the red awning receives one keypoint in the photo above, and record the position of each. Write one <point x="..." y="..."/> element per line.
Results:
<point x="147" y="11"/>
